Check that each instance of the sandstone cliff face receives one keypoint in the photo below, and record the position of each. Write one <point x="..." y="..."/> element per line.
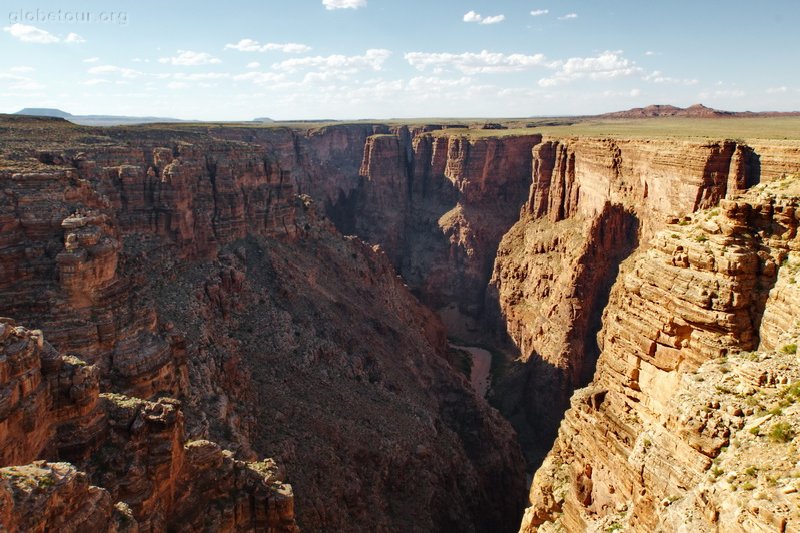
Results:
<point x="375" y="428"/>
<point x="439" y="203"/>
<point x="590" y="203"/>
<point x="181" y="265"/>
<point x="131" y="451"/>
<point x="683" y="380"/>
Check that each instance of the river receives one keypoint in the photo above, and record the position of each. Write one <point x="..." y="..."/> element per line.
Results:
<point x="480" y="376"/>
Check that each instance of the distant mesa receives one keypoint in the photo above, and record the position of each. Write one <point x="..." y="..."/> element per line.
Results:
<point x="263" y="119"/>
<point x="44" y="112"/>
<point x="693" y="111"/>
<point x="94" y="120"/>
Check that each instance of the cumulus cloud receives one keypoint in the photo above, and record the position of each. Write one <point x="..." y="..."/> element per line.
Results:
<point x="658" y="77"/>
<point x="21" y="69"/>
<point x="569" y="16"/>
<point x="253" y="64"/>
<point x="261" y="78"/>
<point x="18" y="83"/>
<point x="112" y="69"/>
<point x="343" y="4"/>
<point x="32" y="34"/>
<point x="539" y="12"/>
<point x="189" y="58"/>
<point x="251" y="45"/>
<point x="372" y="59"/>
<point x="472" y="16"/>
<point x="608" y="65"/>
<point x="475" y="63"/>
<point x="91" y="60"/>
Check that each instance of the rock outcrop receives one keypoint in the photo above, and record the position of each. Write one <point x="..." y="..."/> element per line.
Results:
<point x="668" y="430"/>
<point x="590" y="204"/>
<point x="179" y="264"/>
<point x="132" y="468"/>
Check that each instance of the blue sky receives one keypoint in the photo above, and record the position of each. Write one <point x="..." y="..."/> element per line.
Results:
<point x="347" y="59"/>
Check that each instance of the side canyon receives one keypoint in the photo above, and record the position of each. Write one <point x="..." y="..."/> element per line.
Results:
<point x="245" y="328"/>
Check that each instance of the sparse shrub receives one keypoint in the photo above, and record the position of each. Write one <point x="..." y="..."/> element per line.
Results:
<point x="748" y="486"/>
<point x="755" y="431"/>
<point x="701" y="238"/>
<point x="777" y="411"/>
<point x="781" y="432"/>
<point x="750" y="471"/>
<point x="791" y="393"/>
<point x="716" y="471"/>
<point x="789" y="349"/>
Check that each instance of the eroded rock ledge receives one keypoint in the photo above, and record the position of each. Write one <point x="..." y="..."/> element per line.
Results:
<point x="690" y="419"/>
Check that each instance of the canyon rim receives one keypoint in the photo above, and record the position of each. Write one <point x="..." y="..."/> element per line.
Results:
<point x="545" y="313"/>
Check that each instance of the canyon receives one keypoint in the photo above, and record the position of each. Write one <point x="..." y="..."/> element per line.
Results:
<point x="253" y="322"/>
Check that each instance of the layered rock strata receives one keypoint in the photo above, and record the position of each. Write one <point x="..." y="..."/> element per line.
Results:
<point x="692" y="405"/>
<point x="133" y="470"/>
<point x="178" y="264"/>
<point x="590" y="204"/>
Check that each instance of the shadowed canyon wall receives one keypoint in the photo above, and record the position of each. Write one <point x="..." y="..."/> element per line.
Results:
<point x="182" y="265"/>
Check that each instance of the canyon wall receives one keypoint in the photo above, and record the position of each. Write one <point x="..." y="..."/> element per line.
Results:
<point x="181" y="264"/>
<point x="195" y="284"/>
<point x="590" y="204"/>
<point x="688" y="422"/>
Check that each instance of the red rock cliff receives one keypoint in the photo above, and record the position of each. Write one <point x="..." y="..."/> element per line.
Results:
<point x="678" y="427"/>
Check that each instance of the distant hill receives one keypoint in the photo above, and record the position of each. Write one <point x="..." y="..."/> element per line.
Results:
<point x="94" y="120"/>
<point x="263" y="119"/>
<point x="694" y="111"/>
<point x="43" y="112"/>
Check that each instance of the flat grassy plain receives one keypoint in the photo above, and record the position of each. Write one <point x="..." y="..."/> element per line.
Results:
<point x="22" y="137"/>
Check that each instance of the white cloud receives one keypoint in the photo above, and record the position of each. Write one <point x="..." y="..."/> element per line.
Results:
<point x="658" y="77"/>
<point x="253" y="64"/>
<point x="636" y="92"/>
<point x="605" y="66"/>
<point x="472" y="63"/>
<point x="21" y="69"/>
<point x="372" y="59"/>
<point x="472" y="16"/>
<point x="777" y="90"/>
<point x="251" y="45"/>
<point x="18" y="83"/>
<point x="343" y="4"/>
<point x="91" y="60"/>
<point x="649" y="53"/>
<point x="189" y="58"/>
<point x="195" y="76"/>
<point x="177" y="85"/>
<point x="493" y="19"/>
<point x="31" y="34"/>
<point x="95" y="81"/>
<point x="569" y="16"/>
<point x="539" y="12"/>
<point x="261" y="78"/>
<point x="74" y="38"/>
<point x="111" y="69"/>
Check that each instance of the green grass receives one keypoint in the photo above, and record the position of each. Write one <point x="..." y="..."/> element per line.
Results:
<point x="790" y="349"/>
<point x="781" y="432"/>
<point x="787" y="128"/>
